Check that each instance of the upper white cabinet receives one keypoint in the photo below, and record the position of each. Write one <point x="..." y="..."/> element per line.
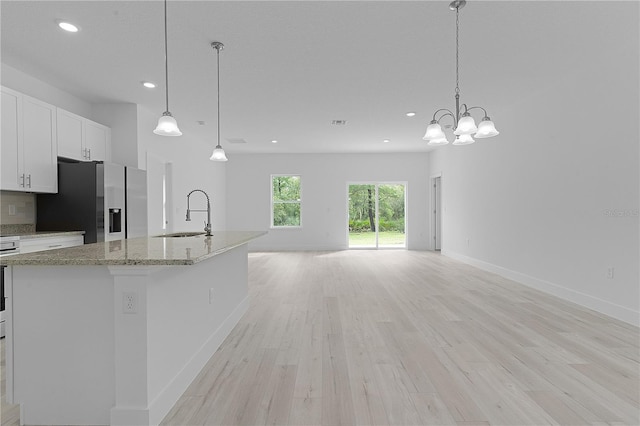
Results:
<point x="82" y="139"/>
<point x="29" y="148"/>
<point x="97" y="141"/>
<point x="70" y="135"/>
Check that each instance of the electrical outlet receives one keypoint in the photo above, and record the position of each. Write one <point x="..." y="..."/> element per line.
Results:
<point x="129" y="302"/>
<point x="610" y="273"/>
<point x="12" y="209"/>
<point x="210" y="296"/>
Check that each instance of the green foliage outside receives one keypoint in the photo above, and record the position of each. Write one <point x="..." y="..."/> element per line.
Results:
<point x="286" y="200"/>
<point x="362" y="207"/>
<point x="383" y="225"/>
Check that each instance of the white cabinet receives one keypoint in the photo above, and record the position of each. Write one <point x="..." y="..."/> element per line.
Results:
<point x="29" y="148"/>
<point x="11" y="142"/>
<point x="82" y="139"/>
<point x="29" y="245"/>
<point x="70" y="135"/>
<point x="97" y="141"/>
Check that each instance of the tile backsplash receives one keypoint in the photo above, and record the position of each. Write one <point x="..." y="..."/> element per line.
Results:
<point x="17" y="208"/>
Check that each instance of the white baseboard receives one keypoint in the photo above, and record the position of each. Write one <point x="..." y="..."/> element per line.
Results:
<point x="160" y="406"/>
<point x="599" y="305"/>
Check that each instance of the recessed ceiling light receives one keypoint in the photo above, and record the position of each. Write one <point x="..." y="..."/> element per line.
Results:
<point x="411" y="114"/>
<point x="149" y="85"/>
<point x="274" y="141"/>
<point x="67" y="26"/>
<point x="386" y="141"/>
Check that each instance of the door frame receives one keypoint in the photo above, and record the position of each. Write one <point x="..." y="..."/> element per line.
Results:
<point x="376" y="183"/>
<point x="435" y="211"/>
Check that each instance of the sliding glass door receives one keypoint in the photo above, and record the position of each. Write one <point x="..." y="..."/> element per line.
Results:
<point x="377" y="215"/>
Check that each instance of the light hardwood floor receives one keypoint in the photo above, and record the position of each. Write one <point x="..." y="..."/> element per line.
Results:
<point x="410" y="338"/>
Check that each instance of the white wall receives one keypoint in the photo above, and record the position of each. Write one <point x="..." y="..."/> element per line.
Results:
<point x="190" y="169"/>
<point x="122" y="118"/>
<point x="553" y="200"/>
<point x="24" y="83"/>
<point x="324" y="195"/>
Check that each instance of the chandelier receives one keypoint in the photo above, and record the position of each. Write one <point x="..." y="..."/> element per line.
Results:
<point x="463" y="123"/>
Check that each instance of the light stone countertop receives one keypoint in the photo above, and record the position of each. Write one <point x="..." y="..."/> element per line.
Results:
<point x="139" y="251"/>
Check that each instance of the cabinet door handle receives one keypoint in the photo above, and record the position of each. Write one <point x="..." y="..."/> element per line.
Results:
<point x="89" y="156"/>
<point x="55" y="245"/>
<point x="22" y="180"/>
<point x="29" y="180"/>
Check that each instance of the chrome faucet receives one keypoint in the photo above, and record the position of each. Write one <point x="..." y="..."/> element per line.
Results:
<point x="207" y="226"/>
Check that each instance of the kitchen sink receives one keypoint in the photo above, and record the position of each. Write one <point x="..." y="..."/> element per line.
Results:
<point x="180" y="235"/>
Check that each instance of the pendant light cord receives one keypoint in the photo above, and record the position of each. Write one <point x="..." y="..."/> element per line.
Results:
<point x="166" y="58"/>
<point x="218" y="57"/>
<point x="457" y="49"/>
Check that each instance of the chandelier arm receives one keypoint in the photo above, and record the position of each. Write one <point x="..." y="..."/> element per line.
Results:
<point x="449" y="113"/>
<point x="441" y="109"/>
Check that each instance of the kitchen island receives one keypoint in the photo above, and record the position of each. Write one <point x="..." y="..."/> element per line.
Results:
<point x="114" y="332"/>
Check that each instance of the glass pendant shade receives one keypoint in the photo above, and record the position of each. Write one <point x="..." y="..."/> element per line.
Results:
<point x="218" y="154"/>
<point x="167" y="126"/>
<point x="486" y="129"/>
<point x="466" y="126"/>
<point x="434" y="131"/>
<point x="438" y="141"/>
<point x="463" y="140"/>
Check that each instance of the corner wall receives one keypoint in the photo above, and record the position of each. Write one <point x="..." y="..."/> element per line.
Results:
<point x="553" y="200"/>
<point x="324" y="195"/>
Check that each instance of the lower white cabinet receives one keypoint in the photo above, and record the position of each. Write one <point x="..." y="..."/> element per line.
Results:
<point x="29" y="245"/>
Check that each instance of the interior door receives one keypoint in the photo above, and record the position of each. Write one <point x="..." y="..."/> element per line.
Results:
<point x="437" y="213"/>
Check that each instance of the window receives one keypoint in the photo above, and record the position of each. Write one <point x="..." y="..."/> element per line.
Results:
<point x="285" y="201"/>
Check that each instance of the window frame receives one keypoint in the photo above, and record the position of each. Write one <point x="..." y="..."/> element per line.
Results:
<point x="272" y="203"/>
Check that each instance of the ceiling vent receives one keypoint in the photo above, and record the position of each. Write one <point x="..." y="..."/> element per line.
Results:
<point x="339" y="122"/>
<point x="236" y="140"/>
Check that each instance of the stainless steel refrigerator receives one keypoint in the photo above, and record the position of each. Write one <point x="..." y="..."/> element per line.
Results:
<point x="108" y="201"/>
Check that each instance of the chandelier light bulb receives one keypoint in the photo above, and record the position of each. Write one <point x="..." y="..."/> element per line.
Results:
<point x="486" y="129"/>
<point x="167" y="126"/>
<point x="434" y="131"/>
<point x="438" y="142"/>
<point x="463" y="140"/>
<point x="466" y="126"/>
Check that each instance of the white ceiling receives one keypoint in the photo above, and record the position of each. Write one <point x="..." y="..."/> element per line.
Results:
<point x="291" y="67"/>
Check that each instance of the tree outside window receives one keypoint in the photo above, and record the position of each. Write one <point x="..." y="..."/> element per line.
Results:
<point x="285" y="201"/>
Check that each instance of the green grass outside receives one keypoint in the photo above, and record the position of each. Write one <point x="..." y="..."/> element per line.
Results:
<point x="385" y="238"/>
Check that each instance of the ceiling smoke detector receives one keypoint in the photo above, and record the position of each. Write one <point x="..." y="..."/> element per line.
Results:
<point x="339" y="122"/>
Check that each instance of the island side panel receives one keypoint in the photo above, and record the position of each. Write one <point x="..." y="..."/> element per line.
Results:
<point x="191" y="311"/>
<point x="63" y="344"/>
<point x="186" y="312"/>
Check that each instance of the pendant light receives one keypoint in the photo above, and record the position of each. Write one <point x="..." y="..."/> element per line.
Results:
<point x="218" y="153"/>
<point x="463" y="123"/>
<point x="167" y="125"/>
